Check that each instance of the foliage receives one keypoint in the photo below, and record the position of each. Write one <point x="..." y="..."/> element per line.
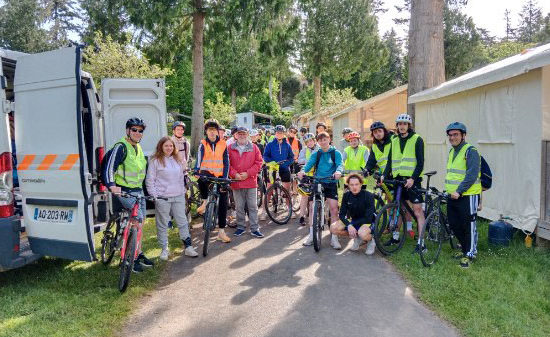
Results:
<point x="219" y="109"/>
<point x="502" y="50"/>
<point x="291" y="87"/>
<point x="331" y="97"/>
<point x="530" y="21"/>
<point x="303" y="101"/>
<point x="108" y="59"/>
<point x="21" y="28"/>
<point x="62" y="15"/>
<point x="107" y="17"/>
<point x="261" y="102"/>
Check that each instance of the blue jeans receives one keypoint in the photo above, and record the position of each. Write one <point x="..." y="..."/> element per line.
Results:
<point x="128" y="203"/>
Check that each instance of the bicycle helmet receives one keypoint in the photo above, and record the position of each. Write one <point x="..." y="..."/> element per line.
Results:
<point x="178" y="123"/>
<point x="228" y="133"/>
<point x="253" y="132"/>
<point x="308" y="136"/>
<point x="346" y="131"/>
<point x="321" y="124"/>
<point x="303" y="129"/>
<point x="280" y="128"/>
<point x="456" y="126"/>
<point x="304" y="189"/>
<point x="211" y="123"/>
<point x="354" y="134"/>
<point x="404" y="118"/>
<point x="292" y="127"/>
<point x="134" y="121"/>
<point x="377" y="125"/>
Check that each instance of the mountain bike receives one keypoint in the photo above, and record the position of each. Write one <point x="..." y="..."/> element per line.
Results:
<point x="192" y="195"/>
<point x="277" y="199"/>
<point x="125" y="237"/>
<point x="212" y="205"/>
<point x="319" y="215"/>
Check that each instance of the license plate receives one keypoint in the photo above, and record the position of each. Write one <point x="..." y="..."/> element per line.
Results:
<point x="57" y="215"/>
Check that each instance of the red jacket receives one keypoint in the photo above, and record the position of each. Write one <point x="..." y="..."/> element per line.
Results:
<point x="250" y="161"/>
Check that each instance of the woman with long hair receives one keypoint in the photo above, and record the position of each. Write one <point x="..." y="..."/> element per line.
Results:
<point x="165" y="178"/>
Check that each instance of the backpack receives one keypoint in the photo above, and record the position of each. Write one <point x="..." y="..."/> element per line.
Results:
<point x="318" y="159"/>
<point x="105" y="160"/>
<point x="486" y="175"/>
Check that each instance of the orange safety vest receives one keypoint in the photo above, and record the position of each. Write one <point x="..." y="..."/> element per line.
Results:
<point x="212" y="161"/>
<point x="295" y="148"/>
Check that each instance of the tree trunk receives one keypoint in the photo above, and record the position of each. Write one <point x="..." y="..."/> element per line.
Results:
<point x="281" y="94"/>
<point x="426" y="55"/>
<point x="270" y="87"/>
<point x="234" y="98"/>
<point x="198" y="75"/>
<point x="317" y="96"/>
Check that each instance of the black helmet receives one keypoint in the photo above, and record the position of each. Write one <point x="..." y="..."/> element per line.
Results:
<point x="303" y="129"/>
<point x="134" y="121"/>
<point x="456" y="126"/>
<point x="321" y="124"/>
<point x="280" y="128"/>
<point x="377" y="125"/>
<point x="234" y="130"/>
<point x="211" y="123"/>
<point x="178" y="123"/>
<point x="346" y="130"/>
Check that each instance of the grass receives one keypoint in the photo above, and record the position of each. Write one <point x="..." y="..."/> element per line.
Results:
<point x="505" y="292"/>
<point x="55" y="297"/>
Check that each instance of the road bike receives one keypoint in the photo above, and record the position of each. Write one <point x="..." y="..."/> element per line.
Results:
<point x="118" y="235"/>
<point x="277" y="199"/>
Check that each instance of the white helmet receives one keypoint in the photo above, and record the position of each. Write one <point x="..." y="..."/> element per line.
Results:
<point x="228" y="133"/>
<point x="404" y="118"/>
<point x="253" y="132"/>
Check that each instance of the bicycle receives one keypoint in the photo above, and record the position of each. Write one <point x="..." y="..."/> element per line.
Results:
<point x="125" y="238"/>
<point x="277" y="200"/>
<point x="192" y="195"/>
<point x="436" y="229"/>
<point x="211" y="210"/>
<point x="294" y="181"/>
<point x="317" y="190"/>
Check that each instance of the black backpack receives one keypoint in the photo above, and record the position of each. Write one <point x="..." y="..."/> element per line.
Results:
<point x="486" y="175"/>
<point x="318" y="159"/>
<point x="105" y="160"/>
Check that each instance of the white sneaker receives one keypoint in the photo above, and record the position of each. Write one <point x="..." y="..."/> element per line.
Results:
<point x="371" y="245"/>
<point x="164" y="254"/>
<point x="263" y="216"/>
<point x="334" y="242"/>
<point x="190" y="251"/>
<point x="308" y="241"/>
<point x="356" y="244"/>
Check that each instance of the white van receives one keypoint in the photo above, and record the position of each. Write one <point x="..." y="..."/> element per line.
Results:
<point x="62" y="130"/>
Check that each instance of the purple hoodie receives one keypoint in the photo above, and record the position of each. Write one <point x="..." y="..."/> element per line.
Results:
<point x="165" y="181"/>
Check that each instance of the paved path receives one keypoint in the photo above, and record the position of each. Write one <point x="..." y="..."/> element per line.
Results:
<point x="276" y="287"/>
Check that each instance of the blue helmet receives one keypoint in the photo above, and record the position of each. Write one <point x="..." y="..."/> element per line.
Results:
<point x="456" y="126"/>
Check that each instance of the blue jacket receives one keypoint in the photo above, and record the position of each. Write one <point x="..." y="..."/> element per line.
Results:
<point x="279" y="152"/>
<point x="326" y="166"/>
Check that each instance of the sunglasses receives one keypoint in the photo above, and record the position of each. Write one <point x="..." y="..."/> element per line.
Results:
<point x="136" y="130"/>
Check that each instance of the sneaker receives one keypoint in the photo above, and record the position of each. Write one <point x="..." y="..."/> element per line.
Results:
<point x="371" y="246"/>
<point x="465" y="262"/>
<point x="137" y="268"/>
<point x="417" y="249"/>
<point x="391" y="242"/>
<point x="164" y="254"/>
<point x="356" y="244"/>
<point x="170" y="224"/>
<point x="257" y="234"/>
<point x="411" y="233"/>
<point x="458" y="255"/>
<point x="308" y="241"/>
<point x="302" y="221"/>
<point x="144" y="261"/>
<point x="334" y="242"/>
<point x="190" y="251"/>
<point x="239" y="232"/>
<point x="223" y="237"/>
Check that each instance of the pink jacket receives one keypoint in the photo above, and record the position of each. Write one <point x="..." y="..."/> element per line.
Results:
<point x="250" y="161"/>
<point x="165" y="181"/>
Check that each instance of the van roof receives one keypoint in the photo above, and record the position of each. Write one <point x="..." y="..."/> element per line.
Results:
<point x="10" y="54"/>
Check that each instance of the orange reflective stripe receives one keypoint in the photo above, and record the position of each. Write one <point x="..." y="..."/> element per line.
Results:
<point x="26" y="162"/>
<point x="69" y="162"/>
<point x="47" y="162"/>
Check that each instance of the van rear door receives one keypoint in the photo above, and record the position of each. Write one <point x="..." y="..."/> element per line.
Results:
<point x="52" y="140"/>
<point x="126" y="98"/>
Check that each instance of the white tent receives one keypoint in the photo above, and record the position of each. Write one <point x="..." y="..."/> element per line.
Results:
<point x="506" y="107"/>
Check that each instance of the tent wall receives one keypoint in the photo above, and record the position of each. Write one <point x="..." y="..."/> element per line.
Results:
<point x="338" y="124"/>
<point x="384" y="110"/>
<point x="504" y="122"/>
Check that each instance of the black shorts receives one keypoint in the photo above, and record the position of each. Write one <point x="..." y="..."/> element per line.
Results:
<point x="295" y="168"/>
<point x="330" y="190"/>
<point x="360" y="225"/>
<point x="411" y="194"/>
<point x="284" y="173"/>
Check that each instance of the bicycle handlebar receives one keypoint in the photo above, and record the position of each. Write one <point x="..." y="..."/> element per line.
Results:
<point x="324" y="179"/>
<point x="216" y="180"/>
<point x="138" y="196"/>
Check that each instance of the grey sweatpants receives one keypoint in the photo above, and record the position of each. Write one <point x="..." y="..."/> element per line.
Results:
<point x="174" y="206"/>
<point x="246" y="197"/>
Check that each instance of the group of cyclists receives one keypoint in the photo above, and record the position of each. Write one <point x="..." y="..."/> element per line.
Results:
<point x="239" y="154"/>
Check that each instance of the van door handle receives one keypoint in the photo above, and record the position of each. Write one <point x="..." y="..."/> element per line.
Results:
<point x="89" y="178"/>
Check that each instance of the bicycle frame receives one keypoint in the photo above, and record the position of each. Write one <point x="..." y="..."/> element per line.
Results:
<point x="133" y="216"/>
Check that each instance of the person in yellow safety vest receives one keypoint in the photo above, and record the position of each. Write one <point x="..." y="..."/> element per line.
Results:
<point x="463" y="183"/>
<point x="380" y="151"/>
<point x="355" y="155"/>
<point x="213" y="160"/>
<point x="310" y="147"/>
<point x="407" y="163"/>
<point x="125" y="172"/>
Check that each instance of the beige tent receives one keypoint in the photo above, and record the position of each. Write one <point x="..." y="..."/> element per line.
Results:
<point x="506" y="107"/>
<point x="384" y="107"/>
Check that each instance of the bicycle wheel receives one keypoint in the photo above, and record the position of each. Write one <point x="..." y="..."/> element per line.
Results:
<point x="260" y="191"/>
<point x="127" y="261"/>
<point x="278" y="204"/>
<point x="109" y="239"/>
<point x="208" y="225"/>
<point x="449" y="235"/>
<point x="192" y="197"/>
<point x="317" y="225"/>
<point x="432" y="239"/>
<point x="389" y="232"/>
